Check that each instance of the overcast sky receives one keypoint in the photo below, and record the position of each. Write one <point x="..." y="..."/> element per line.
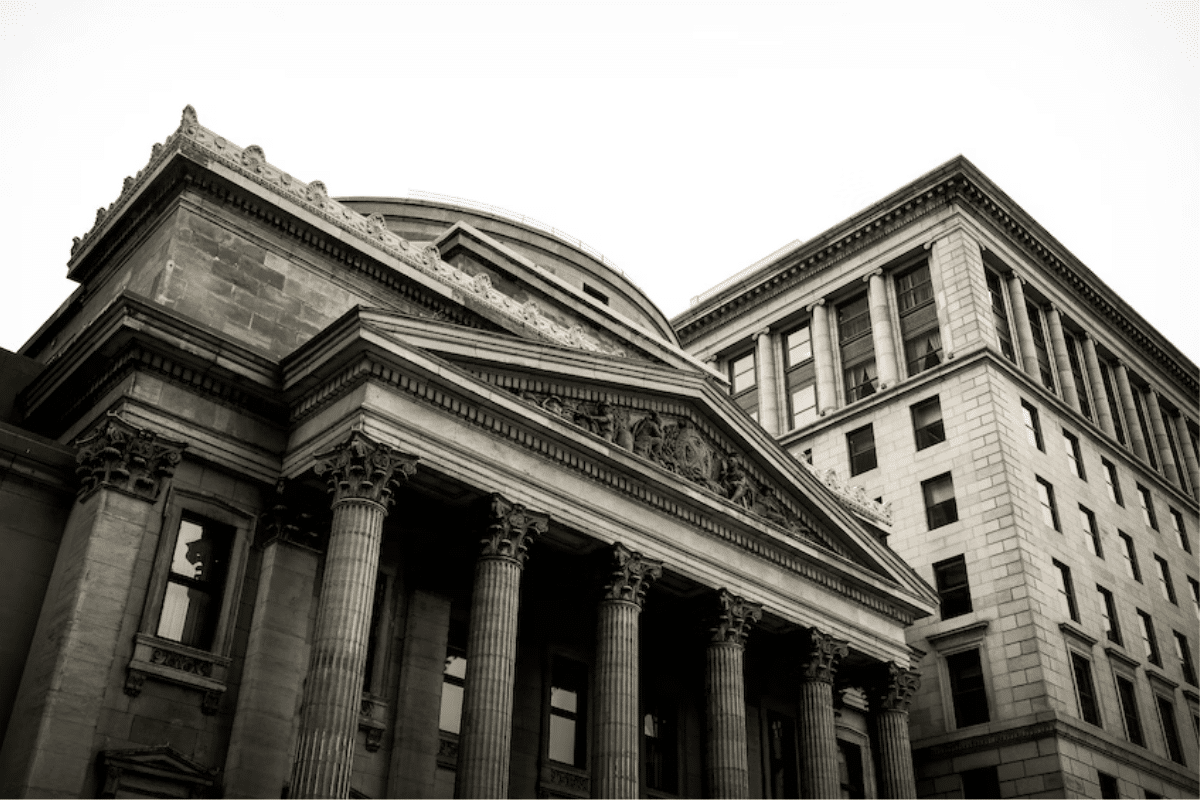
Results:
<point x="683" y="140"/>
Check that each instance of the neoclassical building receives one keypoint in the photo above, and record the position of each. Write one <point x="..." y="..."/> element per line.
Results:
<point x="376" y="497"/>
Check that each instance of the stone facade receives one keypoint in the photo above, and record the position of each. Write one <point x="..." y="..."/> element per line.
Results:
<point x="986" y="388"/>
<point x="378" y="497"/>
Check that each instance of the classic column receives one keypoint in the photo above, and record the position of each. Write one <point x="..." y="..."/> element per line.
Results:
<point x="1016" y="293"/>
<point x="727" y="769"/>
<point x="1136" y="440"/>
<point x="823" y="358"/>
<point x="361" y="474"/>
<point x="881" y="331"/>
<point x="1059" y="342"/>
<point x="615" y="765"/>
<point x="1190" y="462"/>
<point x="1159" y="429"/>
<point x="889" y="695"/>
<point x="1096" y="381"/>
<point x="486" y="734"/>
<point x="768" y="383"/>
<point x="818" y="737"/>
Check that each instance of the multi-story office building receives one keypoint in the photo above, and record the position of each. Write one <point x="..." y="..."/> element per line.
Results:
<point x="1036" y="442"/>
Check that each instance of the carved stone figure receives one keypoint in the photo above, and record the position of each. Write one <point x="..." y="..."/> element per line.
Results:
<point x="648" y="438"/>
<point x="736" y="482"/>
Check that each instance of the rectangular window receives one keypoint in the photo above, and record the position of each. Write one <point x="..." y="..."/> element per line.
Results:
<point x="1074" y="455"/>
<point x="196" y="582"/>
<point x="1149" y="642"/>
<point x="1109" y="788"/>
<point x="967" y="688"/>
<point x="980" y="782"/>
<point x="857" y="348"/>
<point x="850" y="769"/>
<point x="940" y="508"/>
<point x="1129" y="711"/>
<point x="1108" y="612"/>
<point x="378" y="613"/>
<point x="1000" y="316"/>
<point x="1184" y="654"/>
<point x="743" y="377"/>
<point x="1180" y="531"/>
<point x="568" y="717"/>
<point x="1066" y="590"/>
<point x="801" y="376"/>
<point x="1111" y="483"/>
<point x="1089" y="711"/>
<point x="1164" y="580"/>
<point x="453" y="676"/>
<point x="1166" y="713"/>
<point x="952" y="587"/>
<point x="918" y="320"/>
<point x="1147" y="506"/>
<point x="1046" y="500"/>
<point x="1194" y="585"/>
<point x="1147" y="437"/>
<point x="1091" y="531"/>
<point x="1045" y="367"/>
<point x="660" y="727"/>
<point x="1169" y="426"/>
<point x="1076" y="364"/>
<point x="861" y="444"/>
<point x="927" y="423"/>
<point x="1114" y="406"/>
<point x="781" y="755"/>
<point x="1033" y="428"/>
<point x="1131" y="562"/>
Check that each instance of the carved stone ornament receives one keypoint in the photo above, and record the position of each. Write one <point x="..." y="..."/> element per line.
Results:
<point x="820" y="656"/>
<point x="182" y="661"/>
<point x="893" y="687"/>
<point x="122" y="456"/>
<point x="734" y="618"/>
<point x="511" y="529"/>
<point x="362" y="469"/>
<point x="134" y="681"/>
<point x="631" y="575"/>
<point x="287" y="520"/>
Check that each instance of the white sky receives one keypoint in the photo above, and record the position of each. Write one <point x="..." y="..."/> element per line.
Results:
<point x="682" y="140"/>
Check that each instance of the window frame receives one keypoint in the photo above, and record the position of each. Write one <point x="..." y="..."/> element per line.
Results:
<point x="1180" y="529"/>
<point x="1041" y="347"/>
<point x="747" y="397"/>
<point x="955" y="705"/>
<point x="1033" y="425"/>
<point x="926" y="432"/>
<point x="799" y="376"/>
<point x="1000" y="314"/>
<point x="1066" y="588"/>
<point x="1150" y="647"/>
<point x="1108" y="615"/>
<point x="1074" y="455"/>
<point x="1131" y="715"/>
<point x="1183" y="653"/>
<point x="1091" y="530"/>
<point x="917" y="324"/>
<point x="1169" y="728"/>
<point x="1146" y="501"/>
<point x="857" y="351"/>
<point x="952" y="594"/>
<point x="1165" y="584"/>
<point x="934" y="508"/>
<point x="581" y="719"/>
<point x="1048" y="503"/>
<point x="1088" y="701"/>
<point x="1132" y="569"/>
<point x="864" y="459"/>
<point x="1112" y="482"/>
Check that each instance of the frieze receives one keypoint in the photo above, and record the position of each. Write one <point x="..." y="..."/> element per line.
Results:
<point x="362" y="469"/>
<point x="632" y="573"/>
<point x="182" y="662"/>
<point x="511" y="529"/>
<point x="734" y="618"/>
<point x="126" y="457"/>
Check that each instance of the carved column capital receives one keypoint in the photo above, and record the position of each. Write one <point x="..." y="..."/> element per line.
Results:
<point x="892" y="687"/>
<point x="734" y="618"/>
<point x="363" y="469"/>
<point x="815" y="304"/>
<point x="511" y="529"/>
<point x="820" y="655"/>
<point x="632" y="574"/>
<point x="126" y="457"/>
<point x="760" y="333"/>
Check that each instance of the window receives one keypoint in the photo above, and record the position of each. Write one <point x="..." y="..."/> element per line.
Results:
<point x="1164" y="580"/>
<point x="1129" y="711"/>
<point x="861" y="444"/>
<point x="967" y="689"/>
<point x="1108" y="612"/>
<point x="1066" y="590"/>
<point x="1166" y="714"/>
<point x="1089" y="711"/>
<point x="980" y="782"/>
<point x="1111" y="483"/>
<point x="374" y="635"/>
<point x="1091" y="531"/>
<point x="1114" y="407"/>
<point x="1195" y="587"/>
<point x="1000" y="316"/>
<point x="918" y="320"/>
<point x="744" y="384"/>
<point x="1170" y="429"/>
<point x="1147" y="437"/>
<point x="801" y="377"/>
<point x="858" y="350"/>
<point x="195" y="584"/>
<point x="1180" y="531"/>
<point x="1149" y="642"/>
<point x="927" y="423"/>
<point x="568" y="718"/>
<point x="453" y="676"/>
<point x="1033" y="429"/>
<point x="1039" y="345"/>
<point x="1147" y="506"/>
<point x="952" y="587"/>
<point x="1109" y="788"/>
<point x="1074" y="361"/>
<point x="595" y="293"/>
<point x="940" y="508"/>
<point x="850" y="769"/>
<point x="1131" y="562"/>
<point x="1046" y="500"/>
<point x="781" y="755"/>
<point x="1074" y="456"/>
<point x="660" y="727"/>
<point x="1184" y="654"/>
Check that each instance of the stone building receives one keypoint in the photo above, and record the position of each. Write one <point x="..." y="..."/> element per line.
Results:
<point x="1036" y="441"/>
<point x="396" y="498"/>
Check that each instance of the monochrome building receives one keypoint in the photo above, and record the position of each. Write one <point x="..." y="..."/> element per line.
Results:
<point x="1036" y="442"/>
<point x="390" y="497"/>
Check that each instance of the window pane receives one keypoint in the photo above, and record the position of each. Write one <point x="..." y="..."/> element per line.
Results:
<point x="804" y="406"/>
<point x="798" y="345"/>
<point x="450" y="718"/>
<point x="967" y="688"/>
<point x="1088" y="709"/>
<point x="1129" y="711"/>
<point x="185" y="615"/>
<point x="197" y="551"/>
<point x="562" y="739"/>
<point x="743" y="373"/>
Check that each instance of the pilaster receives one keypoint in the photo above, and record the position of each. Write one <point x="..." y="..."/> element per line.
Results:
<point x="726" y="764"/>
<point x="1059" y="342"/>
<point x="1096" y="381"/>
<point x="1190" y="461"/>
<point x="768" y="381"/>
<point x="1016" y="294"/>
<point x="1159" y="429"/>
<point x="1136" y="440"/>
<point x="823" y="361"/>
<point x="881" y="331"/>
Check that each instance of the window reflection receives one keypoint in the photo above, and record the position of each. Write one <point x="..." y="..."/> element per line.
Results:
<point x="192" y="600"/>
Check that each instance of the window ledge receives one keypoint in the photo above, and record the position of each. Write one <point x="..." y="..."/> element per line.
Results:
<point x="177" y="663"/>
<point x="1078" y="635"/>
<point x="447" y="755"/>
<point x="1121" y="657"/>
<point x="1162" y="681"/>
<point x="564" y="780"/>
<point x="963" y="635"/>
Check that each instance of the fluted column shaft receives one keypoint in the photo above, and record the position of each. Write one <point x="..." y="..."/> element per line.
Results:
<point x="1016" y="293"/>
<point x="823" y="360"/>
<point x="881" y="331"/>
<point x="1136" y="440"/>
<point x="889" y="694"/>
<point x="1190" y="461"/>
<point x="768" y="382"/>
<point x="1096" y="381"/>
<point x="818" y="737"/>
<point x="1058" y="341"/>
<point x="1159" y="428"/>
<point x="726" y="764"/>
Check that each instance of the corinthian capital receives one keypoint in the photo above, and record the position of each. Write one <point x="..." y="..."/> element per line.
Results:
<point x="734" y="618"/>
<point x="511" y="529"/>
<point x="893" y="687"/>
<point x="632" y="575"/>
<point x="820" y="655"/>
<point x="123" y="456"/>
<point x="363" y="469"/>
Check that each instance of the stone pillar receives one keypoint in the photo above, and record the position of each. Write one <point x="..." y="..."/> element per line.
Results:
<point x="69" y="668"/>
<point x="823" y="360"/>
<point x="727" y="769"/>
<point x="1136" y="440"/>
<point x="1159" y="429"/>
<point x="1096" y="381"/>
<point x="1061" y="359"/>
<point x="1016" y="293"/>
<point x="881" y="331"/>
<point x="889" y="695"/>
<point x="616" y="730"/>
<point x="361" y="474"/>
<point x="484" y="742"/>
<point x="818" y="737"/>
<point x="768" y="382"/>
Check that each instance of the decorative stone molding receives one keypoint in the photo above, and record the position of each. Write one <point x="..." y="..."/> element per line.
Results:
<point x="176" y="663"/>
<point x="561" y="780"/>
<point x="372" y="718"/>
<point x="893" y="687"/>
<point x="287" y="521"/>
<point x="734" y="618"/>
<point x="853" y="497"/>
<point x="447" y="754"/>
<point x="820" y="656"/>
<point x="154" y="771"/>
<point x="122" y="456"/>
<point x="631" y="576"/>
<point x="511" y="529"/>
<point x="363" y="469"/>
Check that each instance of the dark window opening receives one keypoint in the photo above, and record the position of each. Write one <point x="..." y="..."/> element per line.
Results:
<point x="1131" y="562"/>
<point x="1127" y="696"/>
<point x="1000" y="316"/>
<point x="952" y="587"/>
<point x="454" y="673"/>
<point x="850" y="769"/>
<point x="1108" y="785"/>
<point x="373" y="634"/>
<point x="781" y="756"/>
<point x="1091" y="531"/>
<point x="1114" y="405"/>
<point x="928" y="426"/>
<point x="940" y="507"/>
<point x="1088" y="709"/>
<point x="1184" y="654"/>
<point x="861" y="444"/>
<point x="1111" y="483"/>
<point x="1166" y="711"/>
<point x="1147" y="437"/>
<point x="981" y="782"/>
<point x="1081" y="388"/>
<point x="595" y="293"/>
<point x="1049" y="507"/>
<point x="967" y="688"/>
<point x="1039" y="346"/>
<point x="1149" y="641"/>
<point x="568" y="717"/>
<point x="1074" y="455"/>
<point x="1108" y="611"/>
<point x="660" y="727"/>
<point x="1033" y="428"/>
<point x="1066" y="590"/>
